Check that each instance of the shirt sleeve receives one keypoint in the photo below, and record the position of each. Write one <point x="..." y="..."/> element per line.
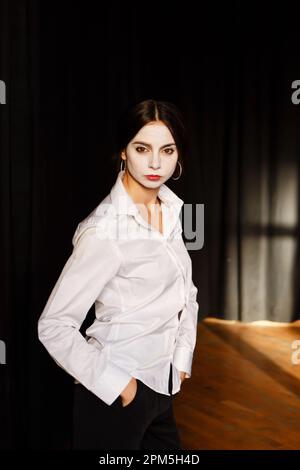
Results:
<point x="187" y="334"/>
<point x="93" y="262"/>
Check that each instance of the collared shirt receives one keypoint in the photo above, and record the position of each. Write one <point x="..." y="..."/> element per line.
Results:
<point x="140" y="281"/>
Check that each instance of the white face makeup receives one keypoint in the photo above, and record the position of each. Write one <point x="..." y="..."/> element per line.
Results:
<point x="152" y="151"/>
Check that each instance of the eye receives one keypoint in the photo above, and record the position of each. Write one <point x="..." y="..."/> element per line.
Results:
<point x="169" y="151"/>
<point x="141" y="149"/>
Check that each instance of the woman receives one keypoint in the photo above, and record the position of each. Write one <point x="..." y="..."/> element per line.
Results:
<point x="129" y="259"/>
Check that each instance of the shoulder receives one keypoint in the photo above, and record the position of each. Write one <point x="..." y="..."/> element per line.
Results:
<point x="96" y="225"/>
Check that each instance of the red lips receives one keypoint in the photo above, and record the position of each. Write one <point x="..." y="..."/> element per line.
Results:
<point x="153" y="177"/>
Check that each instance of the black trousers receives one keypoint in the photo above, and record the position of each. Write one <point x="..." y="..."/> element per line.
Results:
<point x="147" y="423"/>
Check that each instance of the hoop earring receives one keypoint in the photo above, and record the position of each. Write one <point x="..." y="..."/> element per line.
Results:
<point x="122" y="161"/>
<point x="180" y="171"/>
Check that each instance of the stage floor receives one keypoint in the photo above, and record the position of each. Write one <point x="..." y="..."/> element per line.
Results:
<point x="244" y="392"/>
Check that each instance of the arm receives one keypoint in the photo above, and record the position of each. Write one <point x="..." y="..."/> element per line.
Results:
<point x="187" y="334"/>
<point x="93" y="262"/>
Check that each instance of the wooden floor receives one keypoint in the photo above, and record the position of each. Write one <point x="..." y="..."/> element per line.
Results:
<point x="244" y="392"/>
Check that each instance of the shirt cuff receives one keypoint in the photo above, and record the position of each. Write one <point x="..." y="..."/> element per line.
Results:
<point x="111" y="383"/>
<point x="182" y="360"/>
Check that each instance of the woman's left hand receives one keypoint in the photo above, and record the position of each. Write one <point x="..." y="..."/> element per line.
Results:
<point x="182" y="376"/>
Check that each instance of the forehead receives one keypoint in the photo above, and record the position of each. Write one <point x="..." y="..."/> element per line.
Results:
<point x="154" y="132"/>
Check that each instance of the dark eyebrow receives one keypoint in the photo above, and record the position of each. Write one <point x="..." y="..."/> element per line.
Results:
<point x="149" y="145"/>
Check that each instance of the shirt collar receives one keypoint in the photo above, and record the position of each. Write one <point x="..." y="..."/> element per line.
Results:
<point x="124" y="204"/>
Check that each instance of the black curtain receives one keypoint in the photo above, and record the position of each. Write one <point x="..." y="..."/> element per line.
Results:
<point x="70" y="69"/>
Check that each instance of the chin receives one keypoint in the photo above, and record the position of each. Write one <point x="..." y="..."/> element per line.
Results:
<point x="151" y="185"/>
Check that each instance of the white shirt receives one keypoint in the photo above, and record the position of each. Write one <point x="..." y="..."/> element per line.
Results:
<point x="139" y="280"/>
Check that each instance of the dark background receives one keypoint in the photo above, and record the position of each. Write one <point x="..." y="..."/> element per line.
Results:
<point x="70" y="69"/>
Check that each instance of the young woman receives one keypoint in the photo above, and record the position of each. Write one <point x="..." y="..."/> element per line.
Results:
<point x="129" y="259"/>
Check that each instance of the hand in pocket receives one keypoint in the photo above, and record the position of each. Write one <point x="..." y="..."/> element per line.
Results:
<point x="182" y="376"/>
<point x="129" y="392"/>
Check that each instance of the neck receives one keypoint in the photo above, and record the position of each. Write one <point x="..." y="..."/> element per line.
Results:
<point x="138" y="193"/>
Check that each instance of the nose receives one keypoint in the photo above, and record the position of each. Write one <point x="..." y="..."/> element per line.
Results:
<point x="154" y="160"/>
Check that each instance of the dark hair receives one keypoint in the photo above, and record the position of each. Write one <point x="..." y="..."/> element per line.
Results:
<point x="144" y="112"/>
